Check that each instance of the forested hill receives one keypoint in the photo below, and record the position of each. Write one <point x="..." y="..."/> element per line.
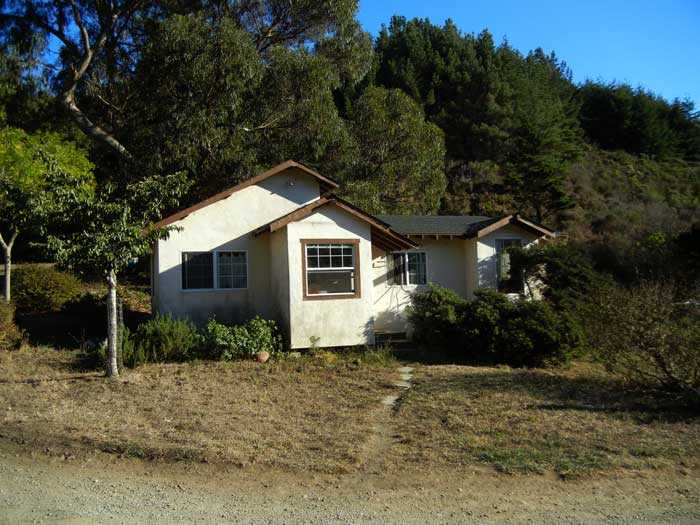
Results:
<point x="423" y="119"/>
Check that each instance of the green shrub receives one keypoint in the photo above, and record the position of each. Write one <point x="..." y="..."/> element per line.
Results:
<point x="436" y="316"/>
<point x="10" y="334"/>
<point x="535" y="335"/>
<point x="237" y="342"/>
<point x="162" y="339"/>
<point x="42" y="288"/>
<point x="649" y="334"/>
<point x="492" y="329"/>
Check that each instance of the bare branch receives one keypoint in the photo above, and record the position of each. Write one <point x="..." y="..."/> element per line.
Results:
<point x="79" y="22"/>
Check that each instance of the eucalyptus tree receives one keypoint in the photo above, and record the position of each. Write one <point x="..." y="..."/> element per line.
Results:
<point x="97" y="45"/>
<point x="398" y="164"/>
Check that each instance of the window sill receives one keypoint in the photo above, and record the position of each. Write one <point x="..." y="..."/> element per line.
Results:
<point x="327" y="297"/>
<point x="210" y="290"/>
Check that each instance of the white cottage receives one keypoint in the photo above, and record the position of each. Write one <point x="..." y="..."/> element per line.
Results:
<point x="282" y="246"/>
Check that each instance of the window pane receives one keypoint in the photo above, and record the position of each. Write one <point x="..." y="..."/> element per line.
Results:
<point x="347" y="261"/>
<point x="324" y="261"/>
<point x="397" y="268"/>
<point x="197" y="270"/>
<point x="232" y="270"/>
<point x="329" y="282"/>
<point x="416" y="268"/>
<point x="311" y="249"/>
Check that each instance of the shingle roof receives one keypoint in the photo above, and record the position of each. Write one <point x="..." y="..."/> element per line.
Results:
<point x="436" y="225"/>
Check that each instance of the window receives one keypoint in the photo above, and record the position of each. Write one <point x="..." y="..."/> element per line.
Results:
<point x="200" y="273"/>
<point x="506" y="282"/>
<point x="407" y="268"/>
<point x="197" y="270"/>
<point x="331" y="269"/>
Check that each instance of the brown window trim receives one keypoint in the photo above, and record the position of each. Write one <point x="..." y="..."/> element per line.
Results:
<point x="358" y="291"/>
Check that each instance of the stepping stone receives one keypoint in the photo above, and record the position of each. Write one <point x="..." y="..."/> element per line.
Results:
<point x="405" y="370"/>
<point x="389" y="400"/>
<point x="403" y="384"/>
<point x="406" y="377"/>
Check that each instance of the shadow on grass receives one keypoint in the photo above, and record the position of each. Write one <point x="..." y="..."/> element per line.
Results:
<point x="562" y="390"/>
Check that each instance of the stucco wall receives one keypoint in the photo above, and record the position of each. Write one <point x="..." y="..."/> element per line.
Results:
<point x="227" y="225"/>
<point x="446" y="265"/>
<point x="279" y="281"/>
<point x="338" y="322"/>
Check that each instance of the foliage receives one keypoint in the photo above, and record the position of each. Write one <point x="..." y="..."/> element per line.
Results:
<point x="200" y="78"/>
<point x="399" y="164"/>
<point x="649" y="334"/>
<point x="162" y="339"/>
<point x="545" y="135"/>
<point x="565" y="272"/>
<point x="100" y="44"/>
<point x="454" y="77"/>
<point x="102" y="232"/>
<point x="436" y="316"/>
<point x="492" y="329"/>
<point x="27" y="162"/>
<point x="226" y="343"/>
<point x="40" y="288"/>
<point x="617" y="116"/>
<point x="10" y="334"/>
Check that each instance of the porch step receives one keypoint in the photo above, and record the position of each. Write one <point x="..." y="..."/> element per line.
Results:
<point x="392" y="338"/>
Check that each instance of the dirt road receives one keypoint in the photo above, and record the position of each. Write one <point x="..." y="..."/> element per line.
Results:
<point x="47" y="488"/>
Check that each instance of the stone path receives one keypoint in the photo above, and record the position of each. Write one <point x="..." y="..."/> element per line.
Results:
<point x="405" y="375"/>
<point x="383" y="437"/>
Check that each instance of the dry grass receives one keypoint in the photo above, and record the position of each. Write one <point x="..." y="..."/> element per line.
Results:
<point x="299" y="414"/>
<point x="322" y="413"/>
<point x="572" y="422"/>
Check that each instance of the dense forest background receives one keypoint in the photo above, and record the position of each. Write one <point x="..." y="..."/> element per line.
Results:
<point x="424" y="119"/>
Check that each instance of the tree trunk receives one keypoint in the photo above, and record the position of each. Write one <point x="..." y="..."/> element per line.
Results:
<point x="7" y="259"/>
<point x="111" y="365"/>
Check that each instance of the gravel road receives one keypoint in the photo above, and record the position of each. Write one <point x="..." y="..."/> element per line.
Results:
<point x="47" y="488"/>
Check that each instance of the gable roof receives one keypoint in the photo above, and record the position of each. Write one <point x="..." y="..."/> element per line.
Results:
<point x="465" y="226"/>
<point x="325" y="184"/>
<point x="382" y="233"/>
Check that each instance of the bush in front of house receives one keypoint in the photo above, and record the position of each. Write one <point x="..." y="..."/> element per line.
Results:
<point x="43" y="288"/>
<point x="163" y="339"/>
<point x="226" y="343"/>
<point x="436" y="316"/>
<point x="10" y="334"/>
<point x="649" y="334"/>
<point x="493" y="329"/>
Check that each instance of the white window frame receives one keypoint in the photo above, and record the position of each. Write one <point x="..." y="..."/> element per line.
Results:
<point x="354" y="268"/>
<point x="406" y="273"/>
<point x="215" y="271"/>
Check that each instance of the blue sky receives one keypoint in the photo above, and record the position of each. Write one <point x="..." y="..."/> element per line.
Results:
<point x="655" y="44"/>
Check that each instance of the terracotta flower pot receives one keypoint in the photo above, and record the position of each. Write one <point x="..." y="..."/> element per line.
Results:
<point x="262" y="357"/>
